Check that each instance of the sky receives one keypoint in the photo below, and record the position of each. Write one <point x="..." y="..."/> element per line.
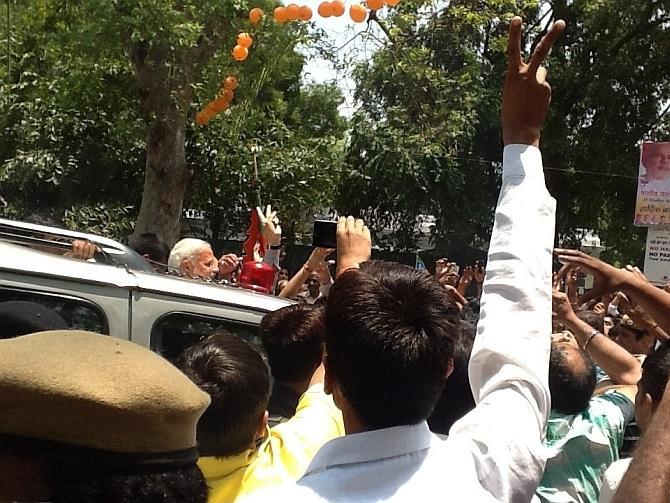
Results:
<point x="353" y="45"/>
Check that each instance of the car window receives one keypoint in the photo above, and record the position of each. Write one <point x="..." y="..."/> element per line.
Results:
<point x="78" y="313"/>
<point x="174" y="332"/>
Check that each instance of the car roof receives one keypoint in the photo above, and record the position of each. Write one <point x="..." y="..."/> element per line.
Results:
<point x="24" y="260"/>
<point x="113" y="251"/>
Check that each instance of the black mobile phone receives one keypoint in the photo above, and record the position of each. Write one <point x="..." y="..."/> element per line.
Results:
<point x="325" y="234"/>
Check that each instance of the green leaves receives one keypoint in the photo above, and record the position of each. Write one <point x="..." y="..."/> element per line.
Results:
<point x="414" y="148"/>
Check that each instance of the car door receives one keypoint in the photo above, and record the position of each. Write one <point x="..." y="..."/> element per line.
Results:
<point x="97" y="308"/>
<point x="167" y="324"/>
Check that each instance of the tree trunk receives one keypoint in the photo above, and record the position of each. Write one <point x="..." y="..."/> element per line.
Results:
<point x="164" y="78"/>
<point x="165" y="92"/>
<point x="165" y="181"/>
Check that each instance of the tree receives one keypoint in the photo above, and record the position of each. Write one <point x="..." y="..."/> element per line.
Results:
<point x="78" y="113"/>
<point x="426" y="139"/>
<point x="71" y="130"/>
<point x="611" y="76"/>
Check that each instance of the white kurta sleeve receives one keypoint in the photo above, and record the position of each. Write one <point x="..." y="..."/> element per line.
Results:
<point x="509" y="365"/>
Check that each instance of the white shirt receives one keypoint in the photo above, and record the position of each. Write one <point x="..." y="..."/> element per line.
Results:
<point x="494" y="452"/>
<point x="612" y="478"/>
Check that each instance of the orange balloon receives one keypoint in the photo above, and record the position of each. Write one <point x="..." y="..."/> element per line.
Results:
<point x="220" y="104"/>
<point x="358" y="13"/>
<point x="200" y="119"/>
<point x="245" y="40"/>
<point x="392" y="3"/>
<point x="305" y="13"/>
<point x="209" y="111"/>
<point x="255" y="15"/>
<point x="280" y="14"/>
<point x="293" y="12"/>
<point x="226" y="94"/>
<point x="230" y="83"/>
<point x="240" y="53"/>
<point x="337" y="7"/>
<point x="325" y="9"/>
<point x="375" y="4"/>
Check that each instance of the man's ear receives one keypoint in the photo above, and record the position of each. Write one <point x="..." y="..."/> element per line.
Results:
<point x="187" y="268"/>
<point x="262" y="426"/>
<point x="450" y="368"/>
<point x="644" y="409"/>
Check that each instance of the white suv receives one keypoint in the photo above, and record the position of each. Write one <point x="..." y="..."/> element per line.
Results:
<point x="164" y="313"/>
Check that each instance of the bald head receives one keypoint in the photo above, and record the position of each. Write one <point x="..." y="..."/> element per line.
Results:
<point x="572" y="378"/>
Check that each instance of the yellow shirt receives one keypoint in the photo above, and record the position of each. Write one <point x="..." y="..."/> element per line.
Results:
<point x="283" y="456"/>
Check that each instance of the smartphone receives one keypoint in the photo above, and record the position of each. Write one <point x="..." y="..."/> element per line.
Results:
<point x="325" y="234"/>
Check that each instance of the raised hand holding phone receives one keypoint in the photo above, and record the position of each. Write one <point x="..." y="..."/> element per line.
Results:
<point x="354" y="244"/>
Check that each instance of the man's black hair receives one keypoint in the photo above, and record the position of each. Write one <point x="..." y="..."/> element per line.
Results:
<point x="470" y="312"/>
<point x="571" y="383"/>
<point x="594" y="320"/>
<point x="388" y="342"/>
<point x="293" y="339"/>
<point x="618" y="329"/>
<point x="235" y="375"/>
<point x="456" y="399"/>
<point x="150" y="244"/>
<point x="95" y="485"/>
<point x="655" y="373"/>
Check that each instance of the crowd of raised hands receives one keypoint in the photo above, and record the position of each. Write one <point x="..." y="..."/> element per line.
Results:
<point x="621" y="294"/>
<point x="457" y="281"/>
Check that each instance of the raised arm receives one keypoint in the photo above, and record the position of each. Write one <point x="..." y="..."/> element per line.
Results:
<point x="648" y="477"/>
<point x="271" y="231"/>
<point x="314" y="262"/>
<point x="619" y="364"/>
<point x="512" y="344"/>
<point x="510" y="358"/>
<point x="608" y="279"/>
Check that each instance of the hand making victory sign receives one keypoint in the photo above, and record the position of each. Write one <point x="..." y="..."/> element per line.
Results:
<point x="526" y="93"/>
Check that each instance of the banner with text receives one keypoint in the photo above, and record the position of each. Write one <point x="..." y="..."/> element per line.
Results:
<point x="653" y="187"/>
<point x="657" y="255"/>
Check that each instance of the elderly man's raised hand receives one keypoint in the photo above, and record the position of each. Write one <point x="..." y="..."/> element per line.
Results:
<point x="526" y="93"/>
<point x="227" y="265"/>
<point x="354" y="243"/>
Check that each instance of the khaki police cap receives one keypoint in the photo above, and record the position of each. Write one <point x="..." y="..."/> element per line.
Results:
<point x="74" y="388"/>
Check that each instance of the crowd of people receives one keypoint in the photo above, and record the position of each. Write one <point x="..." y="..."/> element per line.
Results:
<point x="501" y="381"/>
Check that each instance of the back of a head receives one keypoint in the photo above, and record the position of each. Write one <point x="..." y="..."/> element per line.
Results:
<point x="389" y="344"/>
<point x="150" y="245"/>
<point x="655" y="373"/>
<point x="186" y="248"/>
<point x="108" y="420"/>
<point x="592" y="319"/>
<point x="293" y="338"/>
<point x="18" y="317"/>
<point x="456" y="399"/>
<point x="169" y="485"/>
<point x="572" y="379"/>
<point x="234" y="374"/>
